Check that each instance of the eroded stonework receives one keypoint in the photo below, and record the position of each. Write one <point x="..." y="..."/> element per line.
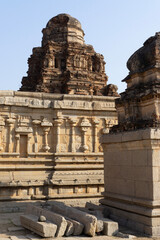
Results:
<point x="138" y="106"/>
<point x="132" y="149"/>
<point x="64" y="63"/>
<point x="49" y="144"/>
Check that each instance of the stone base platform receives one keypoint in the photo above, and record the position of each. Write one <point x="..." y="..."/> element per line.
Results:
<point x="132" y="179"/>
<point x="134" y="217"/>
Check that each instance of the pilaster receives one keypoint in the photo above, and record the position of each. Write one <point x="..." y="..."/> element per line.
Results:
<point x="73" y="122"/>
<point x="46" y="128"/>
<point x="95" y="125"/>
<point x="85" y="125"/>
<point x="10" y="122"/>
<point x="57" y="124"/>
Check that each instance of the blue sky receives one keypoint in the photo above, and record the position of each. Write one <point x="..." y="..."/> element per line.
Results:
<point x="116" y="29"/>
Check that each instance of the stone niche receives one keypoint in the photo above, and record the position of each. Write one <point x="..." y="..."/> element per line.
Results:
<point x="132" y="149"/>
<point x="49" y="144"/>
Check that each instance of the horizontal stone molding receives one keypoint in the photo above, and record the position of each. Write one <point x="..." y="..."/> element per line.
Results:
<point x="56" y="101"/>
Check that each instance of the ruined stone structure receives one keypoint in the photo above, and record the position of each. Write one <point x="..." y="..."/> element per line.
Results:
<point x="64" y="63"/>
<point x="49" y="143"/>
<point x="132" y="149"/>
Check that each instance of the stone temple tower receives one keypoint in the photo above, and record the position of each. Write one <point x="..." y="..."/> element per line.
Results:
<point x="50" y="130"/>
<point x="64" y="63"/>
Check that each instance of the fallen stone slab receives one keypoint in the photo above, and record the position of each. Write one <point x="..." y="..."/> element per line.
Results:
<point x="78" y="227"/>
<point x="110" y="227"/>
<point x="19" y="237"/>
<point x="44" y="229"/>
<point x="16" y="221"/>
<point x="33" y="237"/>
<point x="99" y="208"/>
<point x="89" y="221"/>
<point x="13" y="229"/>
<point x="125" y="235"/>
<point x="57" y="219"/>
<point x="105" y="225"/>
<point x="92" y="206"/>
<point x="99" y="227"/>
<point x="70" y="228"/>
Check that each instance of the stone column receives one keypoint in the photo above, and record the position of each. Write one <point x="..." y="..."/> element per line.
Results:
<point x="36" y="123"/>
<point x="2" y="124"/>
<point x="10" y="122"/>
<point x="57" y="124"/>
<point x="46" y="128"/>
<point x="73" y="122"/>
<point x="95" y="141"/>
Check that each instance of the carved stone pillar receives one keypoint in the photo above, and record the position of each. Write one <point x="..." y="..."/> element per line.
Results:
<point x="57" y="124"/>
<point x="36" y="123"/>
<point x="95" y="140"/>
<point x="10" y="122"/>
<point x="73" y="122"/>
<point x="2" y="124"/>
<point x="46" y="128"/>
<point x="85" y="124"/>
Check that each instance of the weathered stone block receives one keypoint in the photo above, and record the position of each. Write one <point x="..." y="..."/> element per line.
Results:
<point x="77" y="226"/>
<point x="44" y="229"/>
<point x="89" y="221"/>
<point x="110" y="227"/>
<point x="70" y="228"/>
<point x="50" y="216"/>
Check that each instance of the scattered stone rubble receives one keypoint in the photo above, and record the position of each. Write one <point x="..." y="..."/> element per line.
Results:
<point x="62" y="220"/>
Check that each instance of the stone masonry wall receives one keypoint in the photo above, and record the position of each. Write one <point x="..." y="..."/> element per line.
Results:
<point x="49" y="144"/>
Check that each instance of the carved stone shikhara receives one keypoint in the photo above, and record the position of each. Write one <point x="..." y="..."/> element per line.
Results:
<point x="64" y="63"/>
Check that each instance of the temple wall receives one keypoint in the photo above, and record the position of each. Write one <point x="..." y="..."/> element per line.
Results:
<point x="49" y="144"/>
